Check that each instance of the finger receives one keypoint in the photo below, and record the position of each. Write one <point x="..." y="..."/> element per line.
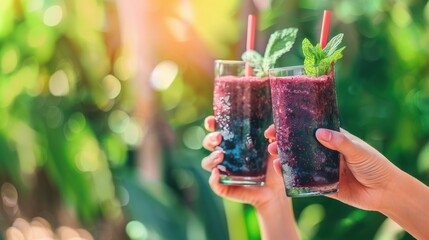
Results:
<point x="270" y="133"/>
<point x="277" y="167"/>
<point x="209" y="123"/>
<point x="272" y="149"/>
<point x="212" y="160"/>
<point x="212" y="140"/>
<point x="233" y="192"/>
<point x="342" y="142"/>
<point x="214" y="179"/>
<point x="220" y="189"/>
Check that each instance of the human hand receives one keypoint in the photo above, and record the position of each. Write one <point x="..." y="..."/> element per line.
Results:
<point x="258" y="196"/>
<point x="369" y="181"/>
<point x="365" y="173"/>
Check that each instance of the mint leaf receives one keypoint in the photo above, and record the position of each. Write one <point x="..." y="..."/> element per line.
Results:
<point x="280" y="42"/>
<point x="318" y="61"/>
<point x="253" y="58"/>
<point x="334" y="57"/>
<point x="310" y="55"/>
<point x="333" y="44"/>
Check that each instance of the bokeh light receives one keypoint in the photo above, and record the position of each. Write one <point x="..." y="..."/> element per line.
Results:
<point x="53" y="15"/>
<point x="122" y="68"/>
<point x="173" y="96"/>
<point x="389" y="230"/>
<point x="9" y="58"/>
<point x="163" y="75"/>
<point x="87" y="159"/>
<point x="136" y="230"/>
<point x="59" y="84"/>
<point x="133" y="133"/>
<point x="76" y="122"/>
<point x="26" y="147"/>
<point x="193" y="137"/>
<point x="35" y="5"/>
<point x="400" y="14"/>
<point x="111" y="86"/>
<point x="7" y="23"/>
<point x="118" y="121"/>
<point x="309" y="219"/>
<point x="124" y="196"/>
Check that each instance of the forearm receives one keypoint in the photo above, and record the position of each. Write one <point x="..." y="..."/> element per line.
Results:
<point x="407" y="204"/>
<point x="276" y="219"/>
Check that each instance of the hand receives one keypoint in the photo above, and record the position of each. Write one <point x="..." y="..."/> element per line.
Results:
<point x="365" y="173"/>
<point x="257" y="196"/>
<point x="273" y="208"/>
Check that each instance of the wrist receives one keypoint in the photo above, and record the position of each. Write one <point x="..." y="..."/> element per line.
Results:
<point x="405" y="204"/>
<point x="277" y="202"/>
<point x="395" y="193"/>
<point x="276" y="218"/>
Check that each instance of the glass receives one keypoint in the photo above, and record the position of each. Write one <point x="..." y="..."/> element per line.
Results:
<point x="242" y="109"/>
<point x="302" y="104"/>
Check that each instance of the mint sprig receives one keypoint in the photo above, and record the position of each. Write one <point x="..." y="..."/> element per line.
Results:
<point x="318" y="61"/>
<point x="280" y="42"/>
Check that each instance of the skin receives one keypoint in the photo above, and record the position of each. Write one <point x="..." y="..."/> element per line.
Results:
<point x="274" y="209"/>
<point x="368" y="180"/>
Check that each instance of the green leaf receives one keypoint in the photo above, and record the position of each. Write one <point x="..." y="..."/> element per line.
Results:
<point x="309" y="57"/>
<point x="306" y="49"/>
<point x="333" y="44"/>
<point x="253" y="58"/>
<point x="318" y="61"/>
<point x="280" y="42"/>
<point x="334" y="57"/>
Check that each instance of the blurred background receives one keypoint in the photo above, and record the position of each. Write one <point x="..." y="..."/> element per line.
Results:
<point x="102" y="106"/>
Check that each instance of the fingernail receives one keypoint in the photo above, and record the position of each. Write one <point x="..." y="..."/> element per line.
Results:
<point x="272" y="149"/>
<point x="214" y="138"/>
<point x="325" y="134"/>
<point x="217" y="158"/>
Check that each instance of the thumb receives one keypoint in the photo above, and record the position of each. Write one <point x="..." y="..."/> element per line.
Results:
<point x="343" y="142"/>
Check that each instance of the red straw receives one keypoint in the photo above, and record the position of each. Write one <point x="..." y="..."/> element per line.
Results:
<point x="325" y="28"/>
<point x="250" y="44"/>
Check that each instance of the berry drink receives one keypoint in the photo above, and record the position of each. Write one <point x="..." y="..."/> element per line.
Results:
<point x="242" y="109"/>
<point x="302" y="104"/>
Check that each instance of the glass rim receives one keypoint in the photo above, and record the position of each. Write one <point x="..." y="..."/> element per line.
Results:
<point x="229" y="61"/>
<point x="278" y="69"/>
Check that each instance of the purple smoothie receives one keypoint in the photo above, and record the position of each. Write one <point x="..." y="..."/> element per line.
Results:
<point x="301" y="105"/>
<point x="242" y="109"/>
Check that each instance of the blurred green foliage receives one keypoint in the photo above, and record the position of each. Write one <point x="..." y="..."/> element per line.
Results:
<point x="54" y="104"/>
<point x="68" y="136"/>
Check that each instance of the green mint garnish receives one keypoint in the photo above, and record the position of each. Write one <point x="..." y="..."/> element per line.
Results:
<point x="318" y="61"/>
<point x="280" y="42"/>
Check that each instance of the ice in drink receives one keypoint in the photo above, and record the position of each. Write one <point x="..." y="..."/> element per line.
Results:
<point x="301" y="105"/>
<point x="242" y="109"/>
